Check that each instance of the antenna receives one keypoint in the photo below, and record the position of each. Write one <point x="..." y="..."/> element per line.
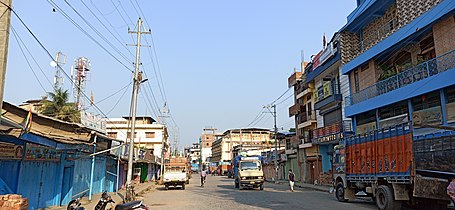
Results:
<point x="79" y="76"/>
<point x="60" y="60"/>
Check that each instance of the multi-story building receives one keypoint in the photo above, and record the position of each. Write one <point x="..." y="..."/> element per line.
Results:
<point x="222" y="147"/>
<point x="148" y="133"/>
<point x="193" y="153"/>
<point x="208" y="136"/>
<point x="401" y="67"/>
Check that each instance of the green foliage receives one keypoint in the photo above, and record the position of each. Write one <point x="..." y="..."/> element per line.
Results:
<point x="59" y="107"/>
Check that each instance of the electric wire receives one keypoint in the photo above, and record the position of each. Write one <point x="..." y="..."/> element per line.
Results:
<point x="87" y="34"/>
<point x="26" y="59"/>
<point x="97" y="32"/>
<point x="109" y="96"/>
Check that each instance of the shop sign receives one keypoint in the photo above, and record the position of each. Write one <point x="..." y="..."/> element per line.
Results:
<point x="450" y="110"/>
<point x="284" y="157"/>
<point x="38" y="152"/>
<point x="11" y="151"/>
<point x="427" y="116"/>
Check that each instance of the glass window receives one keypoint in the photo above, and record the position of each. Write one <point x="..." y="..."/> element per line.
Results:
<point x="248" y="165"/>
<point x="149" y="134"/>
<point x="426" y="101"/>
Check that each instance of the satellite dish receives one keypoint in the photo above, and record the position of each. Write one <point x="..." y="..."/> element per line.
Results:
<point x="53" y="64"/>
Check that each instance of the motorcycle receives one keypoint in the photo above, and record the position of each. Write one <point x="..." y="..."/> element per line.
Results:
<point x="104" y="201"/>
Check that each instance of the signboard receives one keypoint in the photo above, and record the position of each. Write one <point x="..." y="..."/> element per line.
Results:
<point x="327" y="89"/>
<point x="92" y="121"/>
<point x="38" y="152"/>
<point x="328" y="52"/>
<point x="429" y="116"/>
<point x="11" y="151"/>
<point x="450" y="110"/>
<point x="284" y="157"/>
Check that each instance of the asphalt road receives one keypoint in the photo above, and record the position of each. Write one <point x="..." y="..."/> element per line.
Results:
<point x="219" y="193"/>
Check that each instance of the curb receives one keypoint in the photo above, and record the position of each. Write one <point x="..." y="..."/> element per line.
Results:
<point x="300" y="186"/>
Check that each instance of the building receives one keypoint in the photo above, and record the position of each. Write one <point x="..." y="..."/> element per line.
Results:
<point x="207" y="138"/>
<point x="148" y="133"/>
<point x="403" y="68"/>
<point x="193" y="153"/>
<point x="222" y="147"/>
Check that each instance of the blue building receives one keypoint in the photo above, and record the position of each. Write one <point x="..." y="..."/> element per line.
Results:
<point x="401" y="64"/>
<point x="50" y="165"/>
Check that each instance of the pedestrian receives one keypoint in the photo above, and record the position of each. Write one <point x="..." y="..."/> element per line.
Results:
<point x="291" y="177"/>
<point x="451" y="190"/>
<point x="203" y="177"/>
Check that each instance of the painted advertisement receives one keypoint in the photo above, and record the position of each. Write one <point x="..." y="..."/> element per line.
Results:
<point x="11" y="151"/>
<point x="38" y="152"/>
<point x="429" y="116"/>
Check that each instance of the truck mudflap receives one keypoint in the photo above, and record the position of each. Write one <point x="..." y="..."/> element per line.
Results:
<point x="429" y="187"/>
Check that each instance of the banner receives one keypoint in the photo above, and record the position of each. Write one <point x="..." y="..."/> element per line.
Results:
<point x="38" y="152"/>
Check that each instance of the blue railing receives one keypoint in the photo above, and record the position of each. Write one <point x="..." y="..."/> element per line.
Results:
<point x="424" y="70"/>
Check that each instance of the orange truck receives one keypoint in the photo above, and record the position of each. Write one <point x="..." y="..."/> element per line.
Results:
<point x="176" y="172"/>
<point x="393" y="166"/>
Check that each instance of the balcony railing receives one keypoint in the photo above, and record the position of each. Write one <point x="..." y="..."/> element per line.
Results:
<point x="307" y="116"/>
<point x="326" y="90"/>
<point x="424" y="70"/>
<point x="295" y="109"/>
<point x="332" y="132"/>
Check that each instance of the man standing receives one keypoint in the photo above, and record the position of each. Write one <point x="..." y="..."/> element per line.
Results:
<point x="291" y="180"/>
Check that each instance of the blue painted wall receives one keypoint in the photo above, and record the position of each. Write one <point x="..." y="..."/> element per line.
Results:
<point x="326" y="165"/>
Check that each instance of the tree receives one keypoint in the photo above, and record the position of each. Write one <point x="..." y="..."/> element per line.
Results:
<point x="59" y="107"/>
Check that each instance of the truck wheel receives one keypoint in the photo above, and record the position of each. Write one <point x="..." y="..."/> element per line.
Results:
<point x="183" y="186"/>
<point x="166" y="187"/>
<point x="385" y="200"/>
<point x="236" y="184"/>
<point x="261" y="187"/>
<point x="339" y="193"/>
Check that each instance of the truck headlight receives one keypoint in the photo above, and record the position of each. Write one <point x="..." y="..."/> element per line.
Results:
<point x="243" y="177"/>
<point x="260" y="177"/>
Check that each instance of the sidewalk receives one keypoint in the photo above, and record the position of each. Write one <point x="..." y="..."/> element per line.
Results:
<point x="117" y="197"/>
<point x="323" y="188"/>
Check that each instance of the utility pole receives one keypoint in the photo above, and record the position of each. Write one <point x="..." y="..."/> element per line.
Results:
<point x="5" y="22"/>
<point x="137" y="80"/>
<point x="276" y="133"/>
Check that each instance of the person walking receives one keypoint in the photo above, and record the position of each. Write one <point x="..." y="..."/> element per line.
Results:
<point x="203" y="177"/>
<point x="291" y="177"/>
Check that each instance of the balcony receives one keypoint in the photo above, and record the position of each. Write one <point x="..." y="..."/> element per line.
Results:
<point x="307" y="118"/>
<point x="327" y="94"/>
<point x="332" y="133"/>
<point x="379" y="34"/>
<point x="294" y="78"/>
<point x="422" y="71"/>
<point x="295" y="109"/>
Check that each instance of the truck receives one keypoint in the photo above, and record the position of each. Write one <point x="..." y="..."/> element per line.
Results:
<point x="248" y="171"/>
<point x="393" y="166"/>
<point x="176" y="173"/>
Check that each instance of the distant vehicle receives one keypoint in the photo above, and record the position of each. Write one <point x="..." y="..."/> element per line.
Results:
<point x="248" y="171"/>
<point x="194" y="167"/>
<point x="392" y="167"/>
<point x="176" y="173"/>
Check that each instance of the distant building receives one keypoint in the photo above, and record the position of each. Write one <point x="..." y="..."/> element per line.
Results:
<point x="193" y="153"/>
<point x="222" y="147"/>
<point x="148" y="134"/>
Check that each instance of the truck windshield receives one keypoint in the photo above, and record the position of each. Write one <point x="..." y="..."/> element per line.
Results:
<point x="248" y="165"/>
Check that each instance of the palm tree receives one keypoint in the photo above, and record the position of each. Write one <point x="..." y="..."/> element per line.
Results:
<point x="59" y="107"/>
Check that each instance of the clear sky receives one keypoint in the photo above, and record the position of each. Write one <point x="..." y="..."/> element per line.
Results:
<point x="220" y="61"/>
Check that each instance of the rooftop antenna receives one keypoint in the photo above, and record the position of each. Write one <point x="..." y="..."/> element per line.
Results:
<point x="60" y="60"/>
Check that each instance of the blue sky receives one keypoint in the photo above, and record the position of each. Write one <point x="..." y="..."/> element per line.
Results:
<point x="220" y="61"/>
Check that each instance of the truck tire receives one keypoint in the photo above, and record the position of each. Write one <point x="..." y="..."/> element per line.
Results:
<point x="183" y="186"/>
<point x="236" y="184"/>
<point x="166" y="187"/>
<point x="385" y="200"/>
<point x="261" y="187"/>
<point x="339" y="192"/>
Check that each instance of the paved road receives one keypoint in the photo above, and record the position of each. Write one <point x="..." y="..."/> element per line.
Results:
<point x="219" y="193"/>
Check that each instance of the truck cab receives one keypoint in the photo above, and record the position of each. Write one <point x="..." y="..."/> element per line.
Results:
<point x="248" y="172"/>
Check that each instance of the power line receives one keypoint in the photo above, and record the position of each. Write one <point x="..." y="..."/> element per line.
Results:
<point x="86" y="33"/>
<point x="107" y="97"/>
<point x="28" y="63"/>
<point x="280" y="96"/>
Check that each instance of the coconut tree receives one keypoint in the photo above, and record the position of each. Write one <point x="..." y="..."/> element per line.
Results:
<point x="59" y="107"/>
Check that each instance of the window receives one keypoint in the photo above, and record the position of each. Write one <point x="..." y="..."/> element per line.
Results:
<point x="128" y="135"/>
<point x="395" y="109"/>
<point x="426" y="101"/>
<point x="112" y="135"/>
<point x="365" y="67"/>
<point x="207" y="144"/>
<point x="450" y="94"/>
<point x="149" y="134"/>
<point x="288" y="144"/>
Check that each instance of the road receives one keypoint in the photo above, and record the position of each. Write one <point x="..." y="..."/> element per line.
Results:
<point x="219" y="193"/>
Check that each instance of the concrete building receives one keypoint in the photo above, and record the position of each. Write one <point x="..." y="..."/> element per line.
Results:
<point x="193" y="153"/>
<point x="208" y="136"/>
<point x="148" y="133"/>
<point x="222" y="147"/>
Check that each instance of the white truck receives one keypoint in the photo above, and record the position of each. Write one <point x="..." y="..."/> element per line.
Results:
<point x="175" y="176"/>
<point x="248" y="171"/>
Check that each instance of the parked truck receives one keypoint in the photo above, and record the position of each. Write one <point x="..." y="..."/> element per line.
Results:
<point x="394" y="167"/>
<point x="176" y="173"/>
<point x="248" y="171"/>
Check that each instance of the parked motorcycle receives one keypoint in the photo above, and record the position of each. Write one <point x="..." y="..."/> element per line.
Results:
<point x="104" y="201"/>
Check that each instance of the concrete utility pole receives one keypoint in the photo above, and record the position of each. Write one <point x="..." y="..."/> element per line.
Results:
<point x="5" y="9"/>
<point x="276" y="143"/>
<point x="137" y="81"/>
